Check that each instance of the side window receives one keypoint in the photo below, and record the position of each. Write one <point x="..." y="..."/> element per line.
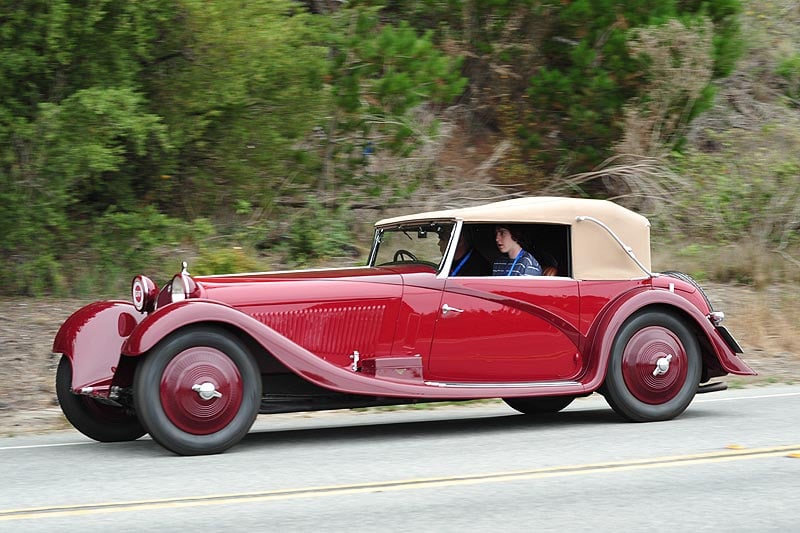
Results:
<point x="550" y="244"/>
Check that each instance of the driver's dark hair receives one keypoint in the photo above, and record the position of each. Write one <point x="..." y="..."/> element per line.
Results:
<point x="446" y="231"/>
<point x="516" y="232"/>
<point x="465" y="231"/>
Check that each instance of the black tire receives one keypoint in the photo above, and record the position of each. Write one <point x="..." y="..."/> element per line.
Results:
<point x="96" y="420"/>
<point x="688" y="279"/>
<point x="631" y="388"/>
<point x="177" y="416"/>
<point x="540" y="405"/>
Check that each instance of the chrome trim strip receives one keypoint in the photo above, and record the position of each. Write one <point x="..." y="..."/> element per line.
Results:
<point x="515" y="385"/>
<point x="628" y="250"/>
<point x="242" y="274"/>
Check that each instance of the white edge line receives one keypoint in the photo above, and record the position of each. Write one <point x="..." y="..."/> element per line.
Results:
<point x="757" y="397"/>
<point x="30" y="446"/>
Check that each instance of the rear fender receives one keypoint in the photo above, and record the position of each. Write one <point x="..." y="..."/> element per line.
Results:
<point x="92" y="338"/>
<point x="617" y="313"/>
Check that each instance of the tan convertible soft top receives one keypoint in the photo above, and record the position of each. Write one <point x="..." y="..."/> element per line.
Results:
<point x="595" y="253"/>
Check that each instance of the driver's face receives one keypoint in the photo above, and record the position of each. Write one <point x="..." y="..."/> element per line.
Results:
<point x="461" y="245"/>
<point x="444" y="238"/>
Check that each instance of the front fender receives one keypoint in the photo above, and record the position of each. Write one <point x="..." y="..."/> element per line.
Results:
<point x="175" y="316"/>
<point x="172" y="317"/>
<point x="607" y="327"/>
<point x="92" y="338"/>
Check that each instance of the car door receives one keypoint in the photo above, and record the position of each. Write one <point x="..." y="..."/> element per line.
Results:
<point x="506" y="329"/>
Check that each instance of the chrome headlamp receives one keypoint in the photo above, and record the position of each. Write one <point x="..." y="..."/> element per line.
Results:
<point x="182" y="286"/>
<point x="178" y="289"/>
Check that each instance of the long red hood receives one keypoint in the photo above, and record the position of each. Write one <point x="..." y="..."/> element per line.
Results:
<point x="241" y="290"/>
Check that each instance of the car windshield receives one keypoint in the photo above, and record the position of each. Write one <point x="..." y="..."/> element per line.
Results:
<point x="411" y="243"/>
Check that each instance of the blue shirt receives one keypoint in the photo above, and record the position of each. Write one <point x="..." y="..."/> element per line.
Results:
<point x="523" y="265"/>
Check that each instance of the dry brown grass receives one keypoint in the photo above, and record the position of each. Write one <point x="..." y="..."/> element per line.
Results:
<point x="767" y="325"/>
<point x="681" y="67"/>
<point x="769" y="319"/>
<point x="748" y="262"/>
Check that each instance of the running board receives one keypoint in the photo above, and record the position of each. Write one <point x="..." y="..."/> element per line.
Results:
<point x="712" y="387"/>
<point x="503" y="385"/>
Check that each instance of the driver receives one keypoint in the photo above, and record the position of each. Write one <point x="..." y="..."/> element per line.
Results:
<point x="466" y="261"/>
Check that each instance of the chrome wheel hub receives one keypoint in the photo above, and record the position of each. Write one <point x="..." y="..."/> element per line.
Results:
<point x="206" y="391"/>
<point x="662" y="365"/>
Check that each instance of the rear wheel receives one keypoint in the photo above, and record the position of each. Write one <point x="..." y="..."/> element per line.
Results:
<point x="654" y="368"/>
<point x="198" y="392"/>
<point x="539" y="406"/>
<point x="96" y="420"/>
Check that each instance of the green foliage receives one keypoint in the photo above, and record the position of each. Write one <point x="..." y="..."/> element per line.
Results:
<point x="93" y="134"/>
<point x="380" y="75"/>
<point x="759" y="200"/>
<point x="578" y="96"/>
<point x="38" y="276"/>
<point x="316" y="233"/>
<point x="392" y="66"/>
<point x="557" y="77"/>
<point x="789" y="69"/>
<point x="75" y="133"/>
<point x="119" y="120"/>
<point x="224" y="261"/>
<point x="240" y="95"/>
<point x="134" y="239"/>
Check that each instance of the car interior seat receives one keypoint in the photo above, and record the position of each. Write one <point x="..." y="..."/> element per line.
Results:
<point x="548" y="263"/>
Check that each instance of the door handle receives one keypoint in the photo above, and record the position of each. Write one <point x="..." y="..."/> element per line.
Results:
<point x="446" y="309"/>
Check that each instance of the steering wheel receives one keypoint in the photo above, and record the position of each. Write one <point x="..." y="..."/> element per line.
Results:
<point x="404" y="255"/>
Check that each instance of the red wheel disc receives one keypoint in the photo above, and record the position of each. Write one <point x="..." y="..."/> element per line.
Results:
<point x="187" y="408"/>
<point x="640" y="358"/>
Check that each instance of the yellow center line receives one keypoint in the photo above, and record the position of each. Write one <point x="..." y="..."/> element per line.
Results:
<point x="402" y="484"/>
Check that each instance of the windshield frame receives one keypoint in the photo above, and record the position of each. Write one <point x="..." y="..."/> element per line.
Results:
<point x="412" y="227"/>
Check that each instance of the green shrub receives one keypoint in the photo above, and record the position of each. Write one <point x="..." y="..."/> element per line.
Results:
<point x="789" y="69"/>
<point x="224" y="261"/>
<point x="733" y="198"/>
<point x="133" y="239"/>
<point x="317" y="233"/>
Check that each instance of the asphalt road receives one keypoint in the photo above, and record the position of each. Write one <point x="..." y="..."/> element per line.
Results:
<point x="730" y="463"/>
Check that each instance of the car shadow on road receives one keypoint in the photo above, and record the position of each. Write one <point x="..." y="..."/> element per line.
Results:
<point x="392" y="428"/>
<point x="332" y="429"/>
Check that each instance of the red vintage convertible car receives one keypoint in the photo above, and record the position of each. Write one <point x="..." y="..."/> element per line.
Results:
<point x="194" y="362"/>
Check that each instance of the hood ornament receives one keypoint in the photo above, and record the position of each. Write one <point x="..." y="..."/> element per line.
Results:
<point x="184" y="268"/>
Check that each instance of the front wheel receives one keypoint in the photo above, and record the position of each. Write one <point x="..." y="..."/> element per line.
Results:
<point x="539" y="406"/>
<point x="198" y="392"/>
<point x="654" y="368"/>
<point x="99" y="421"/>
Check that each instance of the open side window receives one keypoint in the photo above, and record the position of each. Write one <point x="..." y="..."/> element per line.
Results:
<point x="549" y="243"/>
